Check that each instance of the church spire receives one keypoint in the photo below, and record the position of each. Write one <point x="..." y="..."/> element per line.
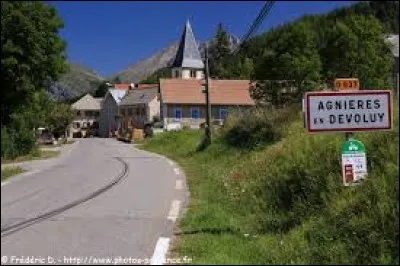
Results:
<point x="188" y="54"/>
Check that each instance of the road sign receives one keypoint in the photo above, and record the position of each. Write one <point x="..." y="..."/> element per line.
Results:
<point x="348" y="111"/>
<point x="354" y="162"/>
<point x="348" y="84"/>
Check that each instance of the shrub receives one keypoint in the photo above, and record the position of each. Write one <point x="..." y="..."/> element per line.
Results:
<point x="15" y="143"/>
<point x="7" y="144"/>
<point x="251" y="128"/>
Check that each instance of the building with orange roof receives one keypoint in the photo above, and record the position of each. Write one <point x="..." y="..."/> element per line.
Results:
<point x="181" y="97"/>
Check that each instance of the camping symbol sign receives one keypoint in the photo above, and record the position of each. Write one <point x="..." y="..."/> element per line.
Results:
<point x="354" y="162"/>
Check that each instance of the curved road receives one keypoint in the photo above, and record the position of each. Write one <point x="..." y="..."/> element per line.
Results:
<point x="105" y="200"/>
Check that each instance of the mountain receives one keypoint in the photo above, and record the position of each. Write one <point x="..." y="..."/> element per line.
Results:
<point x="148" y="66"/>
<point x="78" y="81"/>
<point x="159" y="60"/>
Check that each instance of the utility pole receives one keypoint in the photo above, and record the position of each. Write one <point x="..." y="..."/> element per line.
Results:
<point x="208" y="105"/>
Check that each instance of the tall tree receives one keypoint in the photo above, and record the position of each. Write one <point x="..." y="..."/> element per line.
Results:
<point x="356" y="48"/>
<point x="117" y="80"/>
<point x="102" y="89"/>
<point x="292" y="62"/>
<point x="32" y="52"/>
<point x="219" y="50"/>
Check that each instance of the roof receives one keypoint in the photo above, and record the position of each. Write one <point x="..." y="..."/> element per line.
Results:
<point x="189" y="91"/>
<point x="188" y="54"/>
<point x="117" y="94"/>
<point x="394" y="41"/>
<point x="122" y="86"/>
<point x="139" y="96"/>
<point x="144" y="86"/>
<point x="88" y="102"/>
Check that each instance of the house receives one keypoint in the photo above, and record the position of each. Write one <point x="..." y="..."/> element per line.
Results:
<point x="140" y="106"/>
<point x="181" y="97"/>
<point x="87" y="116"/>
<point x="108" y="120"/>
<point x="183" y="101"/>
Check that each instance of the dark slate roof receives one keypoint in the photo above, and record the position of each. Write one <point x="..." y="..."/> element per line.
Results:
<point x="139" y="96"/>
<point x="188" y="54"/>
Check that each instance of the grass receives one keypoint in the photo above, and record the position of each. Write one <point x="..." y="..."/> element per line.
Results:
<point x="10" y="171"/>
<point x="34" y="155"/>
<point x="283" y="201"/>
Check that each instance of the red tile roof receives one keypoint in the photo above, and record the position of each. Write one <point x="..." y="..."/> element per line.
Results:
<point x="222" y="92"/>
<point x="145" y="86"/>
<point x="122" y="86"/>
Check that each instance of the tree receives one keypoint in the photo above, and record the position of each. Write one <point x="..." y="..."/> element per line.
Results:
<point x="154" y="78"/>
<point x="117" y="80"/>
<point x="102" y="89"/>
<point x="356" y="48"/>
<point x="60" y="118"/>
<point x="292" y="61"/>
<point x="32" y="52"/>
<point x="219" y="50"/>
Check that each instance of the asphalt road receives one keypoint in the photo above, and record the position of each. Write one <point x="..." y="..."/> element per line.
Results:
<point x="106" y="200"/>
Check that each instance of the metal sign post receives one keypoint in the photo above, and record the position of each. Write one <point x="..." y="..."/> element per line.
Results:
<point x="349" y="110"/>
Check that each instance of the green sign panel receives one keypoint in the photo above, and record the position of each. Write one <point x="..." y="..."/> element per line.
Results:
<point x="353" y="146"/>
<point x="354" y="162"/>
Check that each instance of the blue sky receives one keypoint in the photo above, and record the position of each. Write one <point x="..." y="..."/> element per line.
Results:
<point x="110" y="36"/>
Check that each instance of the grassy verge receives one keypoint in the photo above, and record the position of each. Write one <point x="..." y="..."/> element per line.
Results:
<point x="10" y="171"/>
<point x="279" y="199"/>
<point x="34" y="155"/>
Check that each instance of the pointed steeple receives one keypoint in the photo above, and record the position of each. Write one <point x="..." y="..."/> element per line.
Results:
<point x="188" y="55"/>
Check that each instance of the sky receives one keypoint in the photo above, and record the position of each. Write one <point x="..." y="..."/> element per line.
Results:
<point x="110" y="36"/>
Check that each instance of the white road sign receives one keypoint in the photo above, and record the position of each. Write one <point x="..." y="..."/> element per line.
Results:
<point x="348" y="111"/>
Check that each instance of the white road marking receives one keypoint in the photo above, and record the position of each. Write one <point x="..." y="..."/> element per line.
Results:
<point x="176" y="171"/>
<point x="174" y="211"/>
<point x="160" y="252"/>
<point x="179" y="185"/>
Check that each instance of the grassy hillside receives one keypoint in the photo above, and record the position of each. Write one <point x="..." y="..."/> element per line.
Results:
<point x="275" y="195"/>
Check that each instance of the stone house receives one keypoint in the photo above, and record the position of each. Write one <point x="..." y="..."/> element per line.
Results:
<point x="109" y="120"/>
<point x="87" y="111"/>
<point x="140" y="106"/>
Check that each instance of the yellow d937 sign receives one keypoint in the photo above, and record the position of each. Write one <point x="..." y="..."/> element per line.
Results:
<point x="348" y="84"/>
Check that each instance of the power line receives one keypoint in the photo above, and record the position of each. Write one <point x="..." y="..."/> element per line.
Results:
<point x="257" y="22"/>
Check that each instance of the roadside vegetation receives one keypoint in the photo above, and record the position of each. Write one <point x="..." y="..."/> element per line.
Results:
<point x="275" y="196"/>
<point x="30" y="66"/>
<point x="36" y="154"/>
<point x="267" y="192"/>
<point x="10" y="171"/>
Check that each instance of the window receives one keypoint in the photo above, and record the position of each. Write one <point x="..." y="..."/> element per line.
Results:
<point x="176" y="72"/>
<point x="223" y="112"/>
<point x="88" y="113"/>
<point x="192" y="73"/>
<point x="143" y="112"/>
<point x="78" y="113"/>
<point x="130" y="111"/>
<point x="137" y="111"/>
<point x="123" y="112"/>
<point x="195" y="112"/>
<point x="77" y="125"/>
<point x="178" y="113"/>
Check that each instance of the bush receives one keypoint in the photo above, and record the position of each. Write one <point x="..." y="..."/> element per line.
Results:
<point x="15" y="143"/>
<point x="248" y="129"/>
<point x="7" y="144"/>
